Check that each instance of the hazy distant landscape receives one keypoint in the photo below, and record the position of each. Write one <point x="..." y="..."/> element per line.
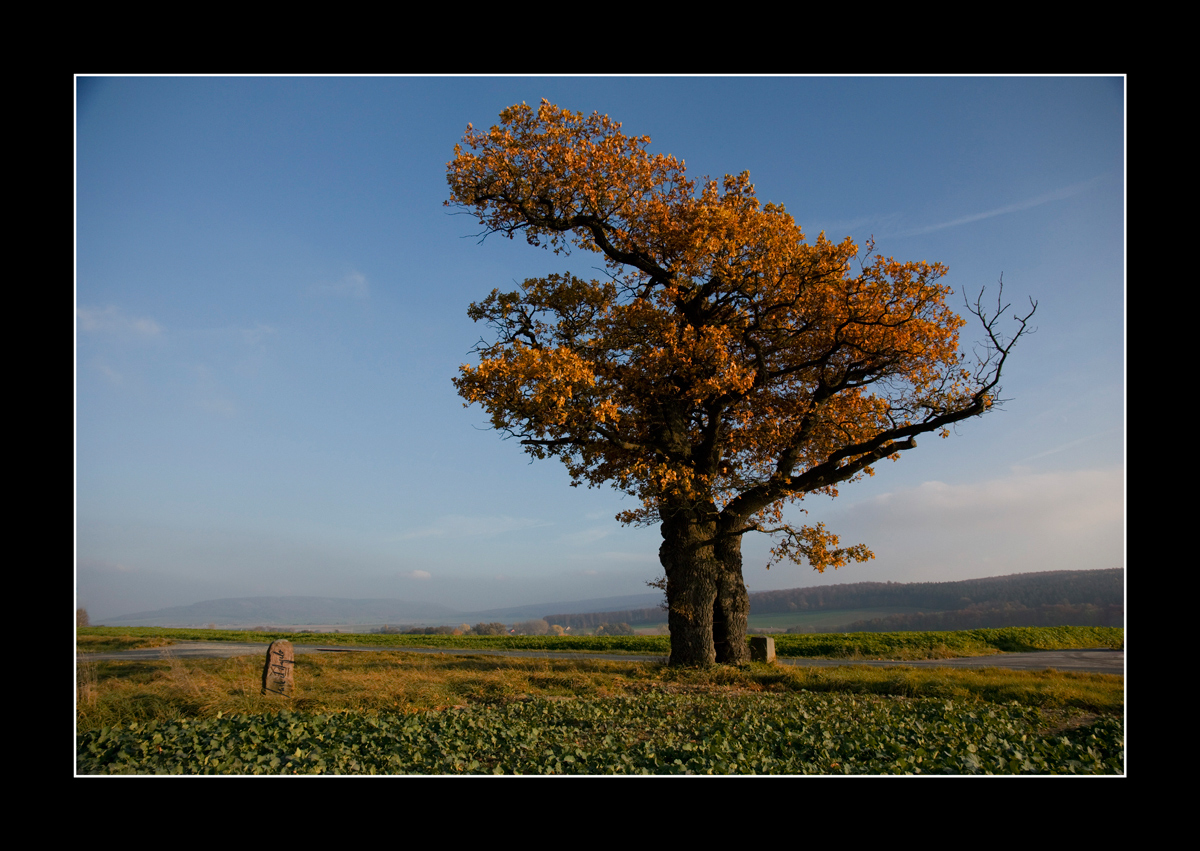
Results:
<point x="1055" y="598"/>
<point x="398" y="712"/>
<point x="395" y="711"/>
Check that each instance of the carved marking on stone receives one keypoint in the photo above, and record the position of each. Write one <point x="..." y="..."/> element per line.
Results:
<point x="279" y="675"/>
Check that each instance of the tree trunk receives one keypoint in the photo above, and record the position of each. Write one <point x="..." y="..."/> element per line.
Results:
<point x="693" y="572"/>
<point x="732" y="606"/>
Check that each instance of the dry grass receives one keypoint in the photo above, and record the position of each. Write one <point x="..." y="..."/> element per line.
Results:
<point x="87" y="684"/>
<point x="116" y="643"/>
<point x="339" y="682"/>
<point x="386" y="682"/>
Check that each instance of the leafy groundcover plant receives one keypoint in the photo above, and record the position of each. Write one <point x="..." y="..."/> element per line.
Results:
<point x="656" y="733"/>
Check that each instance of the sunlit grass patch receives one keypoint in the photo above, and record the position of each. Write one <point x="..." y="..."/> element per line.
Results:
<point x="383" y="682"/>
<point x="338" y="682"/>
<point x="114" y="643"/>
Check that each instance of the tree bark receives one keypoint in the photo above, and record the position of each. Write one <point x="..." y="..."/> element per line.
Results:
<point x="708" y="605"/>
<point x="731" y="611"/>
<point x="692" y="569"/>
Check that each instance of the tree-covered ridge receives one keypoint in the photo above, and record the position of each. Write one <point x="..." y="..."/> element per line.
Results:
<point x="1081" y="597"/>
<point x="993" y="617"/>
<point x="1059" y="587"/>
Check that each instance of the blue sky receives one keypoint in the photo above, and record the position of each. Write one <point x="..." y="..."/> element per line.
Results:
<point x="270" y="304"/>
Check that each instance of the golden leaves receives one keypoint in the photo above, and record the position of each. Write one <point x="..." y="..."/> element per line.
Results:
<point x="552" y="171"/>
<point x="523" y="384"/>
<point x="818" y="546"/>
<point x="726" y="356"/>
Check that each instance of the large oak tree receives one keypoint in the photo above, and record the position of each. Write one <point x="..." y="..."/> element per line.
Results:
<point x="723" y="367"/>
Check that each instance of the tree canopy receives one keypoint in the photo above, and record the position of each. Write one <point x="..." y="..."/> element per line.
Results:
<point x="722" y="367"/>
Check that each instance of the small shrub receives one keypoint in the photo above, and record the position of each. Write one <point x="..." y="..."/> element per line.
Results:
<point x="614" y="629"/>
<point x="534" y="627"/>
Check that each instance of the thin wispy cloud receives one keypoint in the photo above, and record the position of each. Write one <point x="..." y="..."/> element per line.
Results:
<point x="614" y="555"/>
<point x="1028" y="522"/>
<point x="586" y="536"/>
<point x="210" y="396"/>
<point x="1037" y="201"/>
<point x="353" y="285"/>
<point x="460" y="525"/>
<point x="1062" y="448"/>
<point x="885" y="224"/>
<point x="109" y="374"/>
<point x="256" y="335"/>
<point x="112" y="320"/>
<point x="1066" y="503"/>
<point x="417" y="574"/>
<point x="220" y="407"/>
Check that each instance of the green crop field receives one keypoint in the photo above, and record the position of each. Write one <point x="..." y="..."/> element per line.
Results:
<point x="394" y="712"/>
<point x="826" y="619"/>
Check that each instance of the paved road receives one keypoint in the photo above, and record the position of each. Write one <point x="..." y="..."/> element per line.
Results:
<point x="1098" y="660"/>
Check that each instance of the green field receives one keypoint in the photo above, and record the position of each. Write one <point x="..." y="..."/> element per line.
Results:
<point x="826" y="619"/>
<point x="408" y="713"/>
<point x="855" y="645"/>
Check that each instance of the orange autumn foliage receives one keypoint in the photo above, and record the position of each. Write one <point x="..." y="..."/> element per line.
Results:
<point x="725" y="362"/>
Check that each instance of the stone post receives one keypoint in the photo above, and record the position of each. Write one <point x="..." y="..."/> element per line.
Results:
<point x="279" y="675"/>
<point x="762" y="648"/>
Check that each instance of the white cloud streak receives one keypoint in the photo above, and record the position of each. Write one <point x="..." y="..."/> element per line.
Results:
<point x="353" y="285"/>
<point x="111" y="320"/>
<point x="616" y="556"/>
<point x="1064" y="447"/>
<point x="1070" y="520"/>
<point x="460" y="525"/>
<point x="1065" y="501"/>
<point x="1037" y="201"/>
<point x="257" y="335"/>
<point x="110" y="374"/>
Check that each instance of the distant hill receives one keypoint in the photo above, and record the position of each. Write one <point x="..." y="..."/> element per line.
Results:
<point x="992" y="617"/>
<point x="590" y="620"/>
<point x="1060" y="597"/>
<point x="249" y="611"/>
<point x="1052" y="588"/>
<point x="1096" y="596"/>
<point x="304" y="611"/>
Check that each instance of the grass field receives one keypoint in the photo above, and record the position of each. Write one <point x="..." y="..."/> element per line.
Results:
<point x="859" y="645"/>
<point x="826" y="619"/>
<point x="396" y="712"/>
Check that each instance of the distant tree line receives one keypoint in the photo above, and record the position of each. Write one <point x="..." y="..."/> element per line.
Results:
<point x="1055" y="598"/>
<point x="534" y="627"/>
<point x="614" y="629"/>
<point x="591" y="620"/>
<point x="461" y="629"/>
<point x="1097" y="588"/>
